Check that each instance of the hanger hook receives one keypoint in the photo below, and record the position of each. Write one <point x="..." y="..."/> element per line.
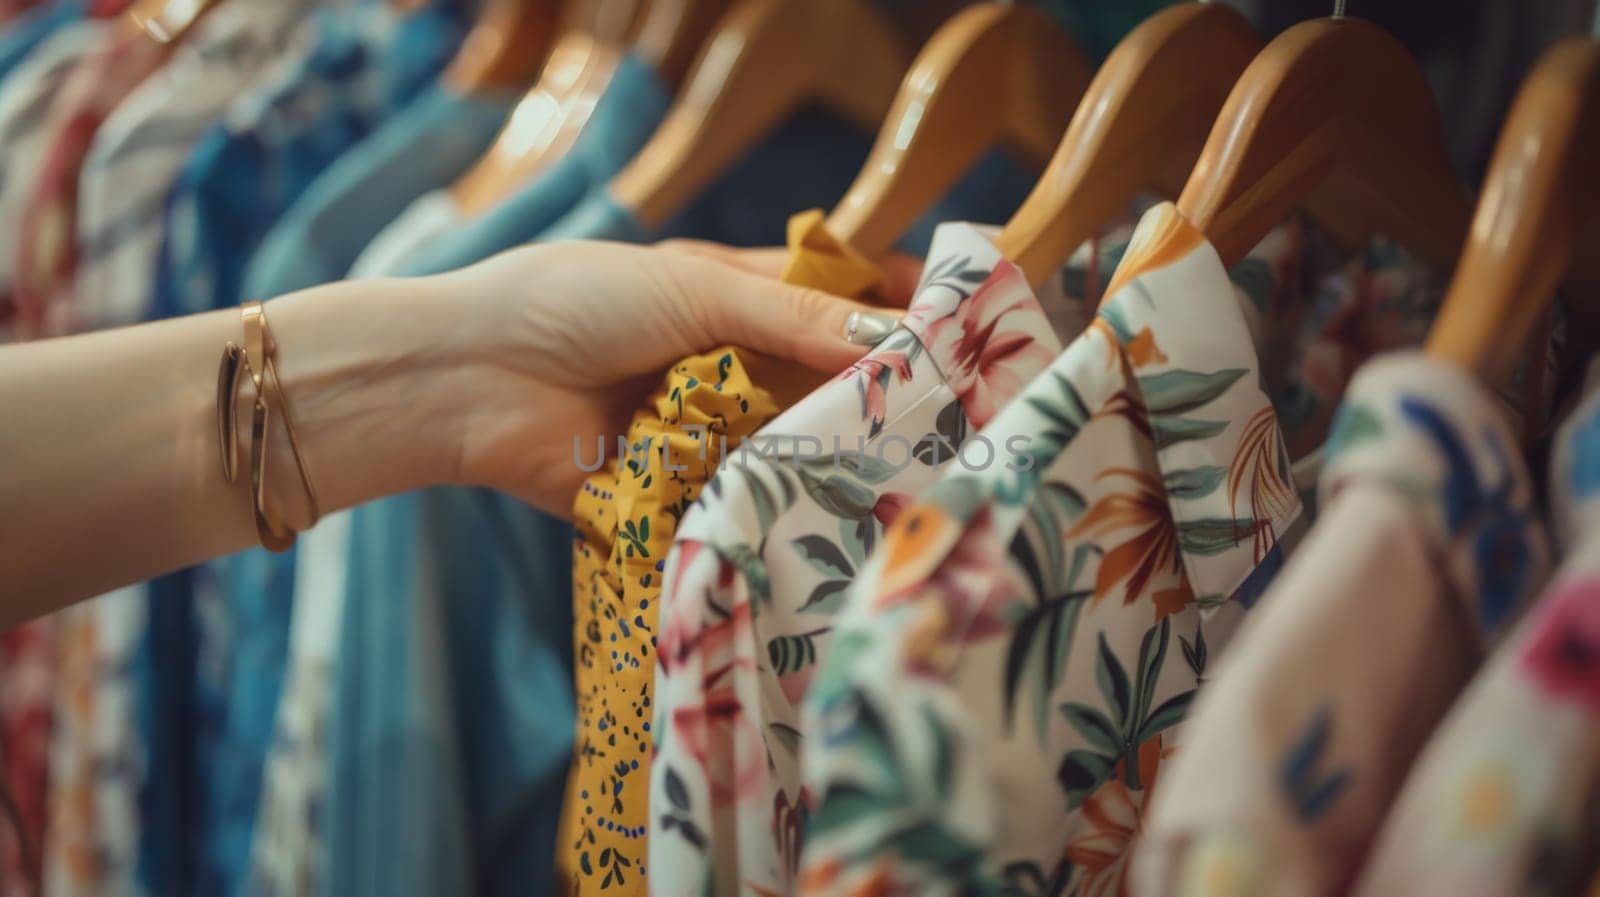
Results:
<point x="1338" y="9"/>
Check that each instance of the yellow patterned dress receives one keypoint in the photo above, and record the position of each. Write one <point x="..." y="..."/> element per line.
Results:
<point x="626" y="515"/>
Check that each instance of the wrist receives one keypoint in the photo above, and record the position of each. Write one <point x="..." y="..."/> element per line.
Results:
<point x="378" y="377"/>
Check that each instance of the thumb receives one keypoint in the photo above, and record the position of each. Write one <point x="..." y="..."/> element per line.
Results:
<point x="796" y="323"/>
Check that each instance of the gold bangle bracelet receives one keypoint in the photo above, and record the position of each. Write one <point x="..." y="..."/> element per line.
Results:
<point x="256" y="357"/>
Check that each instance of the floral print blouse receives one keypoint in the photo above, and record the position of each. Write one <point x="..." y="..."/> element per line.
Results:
<point x="626" y="514"/>
<point x="1426" y="549"/>
<point x="1503" y="800"/>
<point x="1009" y="672"/>
<point x="46" y="246"/>
<point x="763" y="562"/>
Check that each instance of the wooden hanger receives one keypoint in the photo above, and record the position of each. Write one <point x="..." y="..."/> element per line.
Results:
<point x="1140" y="127"/>
<point x="169" y="21"/>
<point x="995" y="75"/>
<point x="547" y="121"/>
<point x="1538" y="219"/>
<point x="1333" y="114"/>
<point x="508" y="42"/>
<point x="672" y="33"/>
<point x="764" y="61"/>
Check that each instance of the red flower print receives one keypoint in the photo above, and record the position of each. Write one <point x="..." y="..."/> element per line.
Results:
<point x="706" y="641"/>
<point x="889" y="505"/>
<point x="987" y="348"/>
<point x="873" y="375"/>
<point x="724" y="741"/>
<point x="1563" y="650"/>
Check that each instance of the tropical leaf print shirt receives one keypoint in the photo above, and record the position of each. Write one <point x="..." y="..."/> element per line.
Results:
<point x="1425" y="550"/>
<point x="763" y="561"/>
<point x="1007" y="676"/>
<point x="1503" y="800"/>
<point x="626" y="514"/>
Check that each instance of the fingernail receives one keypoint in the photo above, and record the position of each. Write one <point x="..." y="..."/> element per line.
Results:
<point x="868" y="328"/>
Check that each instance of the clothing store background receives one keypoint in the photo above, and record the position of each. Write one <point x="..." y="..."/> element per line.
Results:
<point x="388" y="710"/>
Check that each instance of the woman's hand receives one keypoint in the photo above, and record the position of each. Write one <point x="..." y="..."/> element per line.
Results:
<point x="576" y="335"/>
<point x="480" y="376"/>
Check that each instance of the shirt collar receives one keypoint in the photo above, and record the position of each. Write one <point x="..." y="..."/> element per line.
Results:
<point x="1428" y="432"/>
<point x="985" y="328"/>
<point x="1187" y="335"/>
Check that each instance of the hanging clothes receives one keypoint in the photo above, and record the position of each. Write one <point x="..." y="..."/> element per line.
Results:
<point x="1505" y="797"/>
<point x="814" y="156"/>
<point x="1010" y="668"/>
<point x="434" y="235"/>
<point x="45" y="254"/>
<point x="434" y="577"/>
<point x="423" y="148"/>
<point x="25" y="99"/>
<point x="604" y="819"/>
<point x="1427" y="551"/>
<point x="27" y="697"/>
<point x="353" y="69"/>
<point x="762" y="562"/>
<point x="627" y="513"/>
<point x="123" y="753"/>
<point x="31" y="29"/>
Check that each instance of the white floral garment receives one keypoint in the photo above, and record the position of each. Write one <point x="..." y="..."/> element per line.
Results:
<point x="1502" y="802"/>
<point x="1009" y="671"/>
<point x="1425" y="551"/>
<point x="761" y="564"/>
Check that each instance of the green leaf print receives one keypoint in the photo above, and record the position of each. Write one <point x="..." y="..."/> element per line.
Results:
<point x="1169" y="714"/>
<point x="1100" y="732"/>
<point x="861" y="466"/>
<point x="677" y="818"/>
<point x="1116" y="731"/>
<point x="1194" y="483"/>
<point x="786" y="735"/>
<point x="1081" y="772"/>
<point x="1179" y="392"/>
<point x="1255" y="276"/>
<point x="1152" y="656"/>
<point x="1169" y="431"/>
<point x="752" y="566"/>
<point x="1036" y="659"/>
<point x="842" y="805"/>
<point x="636" y="536"/>
<point x="837" y="494"/>
<point x="1112" y="314"/>
<point x="1194" y="653"/>
<point x="827" y="597"/>
<point x="858" y="537"/>
<point x="1215" y="535"/>
<point x="1354" y="423"/>
<point x="824" y="556"/>
<point x="1112" y="680"/>
<point x="790" y="653"/>
<point x="770" y="503"/>
<point x="1064" y="412"/>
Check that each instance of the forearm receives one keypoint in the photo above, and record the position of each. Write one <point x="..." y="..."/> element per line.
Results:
<point x="112" y="464"/>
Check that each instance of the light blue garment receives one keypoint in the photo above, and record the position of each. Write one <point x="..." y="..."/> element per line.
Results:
<point x="359" y="66"/>
<point x="425" y="147"/>
<point x="31" y="29"/>
<point x="625" y="116"/>
<point x="454" y="675"/>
